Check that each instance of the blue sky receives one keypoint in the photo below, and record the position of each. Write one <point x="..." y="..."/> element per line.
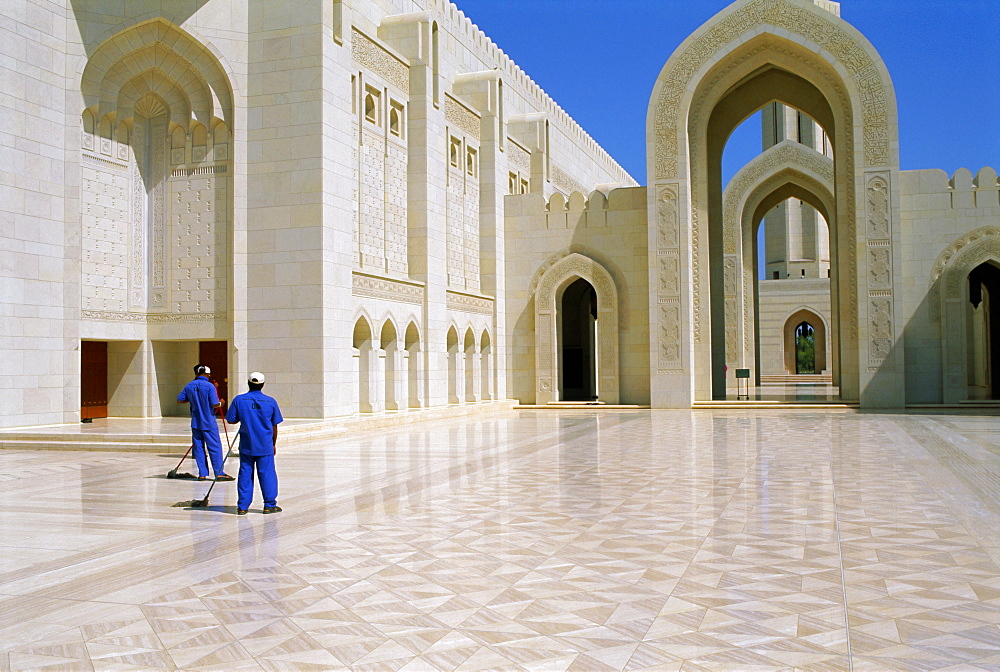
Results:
<point x="599" y="59"/>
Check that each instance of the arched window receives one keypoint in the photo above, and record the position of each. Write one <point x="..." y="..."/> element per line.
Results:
<point x="371" y="110"/>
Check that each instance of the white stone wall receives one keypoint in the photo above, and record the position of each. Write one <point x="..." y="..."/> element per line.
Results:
<point x="778" y="300"/>
<point x="940" y="218"/>
<point x="39" y="271"/>
<point x="612" y="232"/>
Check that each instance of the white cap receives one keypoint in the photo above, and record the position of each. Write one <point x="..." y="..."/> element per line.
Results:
<point x="204" y="370"/>
<point x="257" y="378"/>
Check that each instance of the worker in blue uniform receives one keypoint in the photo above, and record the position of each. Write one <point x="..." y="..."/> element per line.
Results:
<point x="203" y="399"/>
<point x="259" y="416"/>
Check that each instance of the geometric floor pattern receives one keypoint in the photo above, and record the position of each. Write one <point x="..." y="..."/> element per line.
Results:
<point x="632" y="540"/>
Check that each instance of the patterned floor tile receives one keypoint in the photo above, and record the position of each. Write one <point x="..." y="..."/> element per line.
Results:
<point x="772" y="540"/>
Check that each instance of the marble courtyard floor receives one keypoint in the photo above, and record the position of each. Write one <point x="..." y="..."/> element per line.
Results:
<point x="674" y="540"/>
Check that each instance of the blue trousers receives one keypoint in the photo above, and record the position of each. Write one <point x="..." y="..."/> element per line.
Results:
<point x="211" y="441"/>
<point x="266" y="476"/>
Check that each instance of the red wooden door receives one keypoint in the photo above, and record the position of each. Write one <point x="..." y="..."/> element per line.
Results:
<point x="93" y="379"/>
<point x="215" y="355"/>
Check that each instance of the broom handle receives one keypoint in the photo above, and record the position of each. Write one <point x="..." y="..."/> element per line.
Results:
<point x="228" y="453"/>
<point x="184" y="458"/>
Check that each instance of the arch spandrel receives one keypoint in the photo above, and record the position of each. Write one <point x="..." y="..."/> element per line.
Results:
<point x="820" y="31"/>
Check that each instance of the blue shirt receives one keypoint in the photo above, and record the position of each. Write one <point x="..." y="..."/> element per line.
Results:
<point x="257" y="414"/>
<point x="201" y="396"/>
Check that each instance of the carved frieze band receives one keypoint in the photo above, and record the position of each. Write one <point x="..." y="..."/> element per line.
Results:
<point x="386" y="288"/>
<point x="370" y="54"/>
<point x="565" y="183"/>
<point x="469" y="304"/>
<point x="459" y="115"/>
<point x="813" y="26"/>
<point x="668" y="278"/>
<point x="518" y="156"/>
<point x="150" y="318"/>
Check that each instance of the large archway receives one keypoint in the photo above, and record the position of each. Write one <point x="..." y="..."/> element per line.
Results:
<point x="787" y="169"/>
<point x="747" y="56"/>
<point x="549" y="306"/>
<point x="966" y="279"/>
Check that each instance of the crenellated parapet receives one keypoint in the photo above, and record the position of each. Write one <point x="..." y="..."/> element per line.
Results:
<point x="961" y="191"/>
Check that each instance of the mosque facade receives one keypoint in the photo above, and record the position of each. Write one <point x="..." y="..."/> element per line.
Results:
<point x="372" y="203"/>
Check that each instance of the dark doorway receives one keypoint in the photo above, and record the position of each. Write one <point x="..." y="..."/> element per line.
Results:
<point x="93" y="379"/>
<point x="578" y="343"/>
<point x="215" y="355"/>
<point x="984" y="359"/>
<point x="805" y="348"/>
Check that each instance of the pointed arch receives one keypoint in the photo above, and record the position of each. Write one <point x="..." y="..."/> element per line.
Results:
<point x="786" y="170"/>
<point x="362" y="344"/>
<point x="554" y="280"/>
<point x="158" y="44"/>
<point x="815" y="320"/>
<point x="414" y="365"/>
<point x="454" y="379"/>
<point x="486" y="366"/>
<point x="950" y="282"/>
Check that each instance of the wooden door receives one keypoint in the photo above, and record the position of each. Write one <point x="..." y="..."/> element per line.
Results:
<point x="93" y="379"/>
<point x="215" y="355"/>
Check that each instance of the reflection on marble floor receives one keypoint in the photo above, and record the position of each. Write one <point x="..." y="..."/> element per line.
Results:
<point x="674" y="540"/>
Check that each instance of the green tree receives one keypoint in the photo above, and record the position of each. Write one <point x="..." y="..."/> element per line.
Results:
<point x="805" y="349"/>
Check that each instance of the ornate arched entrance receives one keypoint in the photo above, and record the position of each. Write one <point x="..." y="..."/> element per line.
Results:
<point x="792" y="332"/>
<point x="787" y="169"/>
<point x="966" y="278"/>
<point x="747" y="56"/>
<point x="549" y="308"/>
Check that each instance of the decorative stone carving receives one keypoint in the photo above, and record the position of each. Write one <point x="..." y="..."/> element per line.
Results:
<point x="570" y="266"/>
<point x="823" y="30"/>
<point x="372" y="56"/>
<point x="879" y="267"/>
<point x="151" y="318"/>
<point x="467" y="303"/>
<point x="518" y="156"/>
<point x="878" y="208"/>
<point x="387" y="289"/>
<point x="987" y="235"/>
<point x="462" y="117"/>
<point x="670" y="335"/>
<point x="667" y="224"/>
<point x="880" y="323"/>
<point x="785" y="154"/>
<point x="565" y="183"/>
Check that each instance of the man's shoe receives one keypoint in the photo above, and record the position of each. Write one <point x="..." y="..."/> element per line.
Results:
<point x="225" y="477"/>
<point x="272" y="509"/>
<point x="241" y="512"/>
<point x="203" y="478"/>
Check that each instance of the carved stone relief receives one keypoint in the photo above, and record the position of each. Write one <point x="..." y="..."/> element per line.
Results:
<point x="813" y="25"/>
<point x="372" y="56"/>
<point x="459" y="115"/>
<point x="387" y="289"/>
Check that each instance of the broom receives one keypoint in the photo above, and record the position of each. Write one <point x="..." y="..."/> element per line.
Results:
<point x="173" y="472"/>
<point x="200" y="503"/>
